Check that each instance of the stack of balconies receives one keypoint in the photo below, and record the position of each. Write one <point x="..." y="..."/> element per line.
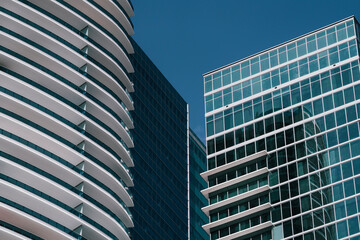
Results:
<point x="238" y="196"/>
<point x="65" y="120"/>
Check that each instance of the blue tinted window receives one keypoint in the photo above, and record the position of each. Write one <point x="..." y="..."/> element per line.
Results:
<point x="342" y="229"/>
<point x="325" y="85"/>
<point x="349" y="95"/>
<point x="349" y="188"/>
<point x="338" y="191"/>
<point x="217" y="83"/>
<point x="335" y="174"/>
<point x="353" y="227"/>
<point x="351" y="113"/>
<point x="332" y="138"/>
<point x="235" y="76"/>
<point x="318" y="106"/>
<point x="351" y="207"/>
<point x="315" y="88"/>
<point x="328" y="103"/>
<point x="343" y="134"/>
<point x="334" y="156"/>
<point x="338" y="99"/>
<point x="345" y="152"/>
<point x="347" y="170"/>
<point x="334" y="57"/>
<point x="355" y="148"/>
<point x="353" y="130"/>
<point x="340" y="210"/>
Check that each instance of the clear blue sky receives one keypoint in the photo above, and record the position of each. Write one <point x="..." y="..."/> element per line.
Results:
<point x="187" y="38"/>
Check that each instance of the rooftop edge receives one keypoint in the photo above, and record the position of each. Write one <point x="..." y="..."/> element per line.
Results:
<point x="279" y="45"/>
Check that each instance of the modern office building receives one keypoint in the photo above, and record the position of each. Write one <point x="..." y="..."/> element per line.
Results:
<point x="160" y="156"/>
<point x="283" y="140"/>
<point x="65" y="120"/>
<point x="197" y="165"/>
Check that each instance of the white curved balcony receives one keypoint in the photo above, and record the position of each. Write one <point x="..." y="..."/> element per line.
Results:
<point x="115" y="11"/>
<point x="60" y="192"/>
<point x="11" y="235"/>
<point x="40" y="139"/>
<point x="67" y="175"/>
<point x="70" y="114"/>
<point x="31" y="224"/>
<point x="49" y="210"/>
<point x="127" y="6"/>
<point x="72" y="18"/>
<point x="62" y="130"/>
<point x="94" y="127"/>
<point x="71" y="35"/>
<point x="65" y="71"/>
<point x="76" y="97"/>
<point x="69" y="54"/>
<point x="102" y="18"/>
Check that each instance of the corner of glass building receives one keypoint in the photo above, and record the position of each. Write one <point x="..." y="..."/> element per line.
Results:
<point x="282" y="135"/>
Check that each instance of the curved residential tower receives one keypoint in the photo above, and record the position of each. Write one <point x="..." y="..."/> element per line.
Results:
<point x="65" y="119"/>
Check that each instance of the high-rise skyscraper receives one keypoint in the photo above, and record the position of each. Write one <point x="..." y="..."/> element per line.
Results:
<point x="197" y="164"/>
<point x="283" y="140"/>
<point x="168" y="159"/>
<point x="65" y="120"/>
<point x="160" y="156"/>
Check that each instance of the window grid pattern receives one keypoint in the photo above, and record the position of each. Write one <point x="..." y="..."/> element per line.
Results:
<point x="310" y="130"/>
<point x="235" y="172"/>
<point x="280" y="76"/>
<point x="280" y="55"/>
<point x="238" y="208"/>
<point x="263" y="236"/>
<point x="324" y="123"/>
<point x="303" y="214"/>
<point x="313" y="135"/>
<point x="237" y="190"/>
<point x="241" y="225"/>
<point x="283" y="98"/>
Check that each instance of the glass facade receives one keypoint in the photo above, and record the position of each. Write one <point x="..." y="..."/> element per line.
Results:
<point x="283" y="140"/>
<point x="197" y="162"/>
<point x="160" y="156"/>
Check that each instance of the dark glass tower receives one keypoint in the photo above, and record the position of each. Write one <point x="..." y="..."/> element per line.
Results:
<point x="283" y="140"/>
<point x="197" y="164"/>
<point x="160" y="156"/>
